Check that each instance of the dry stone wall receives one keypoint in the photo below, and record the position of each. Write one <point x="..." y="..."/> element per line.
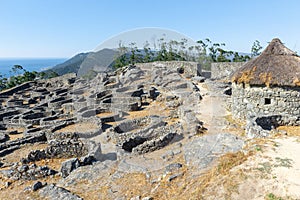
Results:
<point x="265" y="108"/>
<point x="222" y="70"/>
<point x="190" y="68"/>
<point x="257" y="101"/>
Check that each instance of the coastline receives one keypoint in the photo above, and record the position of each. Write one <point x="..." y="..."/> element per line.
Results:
<point x="30" y="64"/>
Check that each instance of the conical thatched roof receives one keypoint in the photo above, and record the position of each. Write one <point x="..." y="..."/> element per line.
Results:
<point x="277" y="65"/>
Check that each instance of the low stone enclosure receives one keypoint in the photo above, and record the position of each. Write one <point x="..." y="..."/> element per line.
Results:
<point x="143" y="135"/>
<point x="266" y="92"/>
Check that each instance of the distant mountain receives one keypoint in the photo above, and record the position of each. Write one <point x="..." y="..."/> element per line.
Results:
<point x="82" y="63"/>
<point x="99" y="61"/>
<point x="69" y="66"/>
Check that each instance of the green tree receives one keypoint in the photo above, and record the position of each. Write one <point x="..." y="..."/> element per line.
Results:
<point x="162" y="52"/>
<point x="17" y="70"/>
<point x="201" y="51"/>
<point x="3" y="82"/>
<point x="42" y="75"/>
<point x="29" y="76"/>
<point x="121" y="57"/>
<point x="256" y="48"/>
<point x="240" y="58"/>
<point x="135" y="55"/>
<point x="148" y="54"/>
<point x="183" y="52"/>
<point x="52" y="74"/>
<point x="223" y="56"/>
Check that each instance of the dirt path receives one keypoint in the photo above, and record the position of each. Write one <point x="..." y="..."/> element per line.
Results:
<point x="212" y="109"/>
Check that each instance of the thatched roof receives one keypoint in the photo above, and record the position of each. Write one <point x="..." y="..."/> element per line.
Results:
<point x="276" y="66"/>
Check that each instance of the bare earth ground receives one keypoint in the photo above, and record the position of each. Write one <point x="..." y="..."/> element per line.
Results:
<point x="212" y="110"/>
<point x="275" y="170"/>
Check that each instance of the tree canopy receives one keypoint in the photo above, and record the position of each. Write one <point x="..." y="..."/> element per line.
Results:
<point x="205" y="52"/>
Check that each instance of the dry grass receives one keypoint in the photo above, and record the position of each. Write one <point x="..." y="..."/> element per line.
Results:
<point x="104" y="114"/>
<point x="17" y="191"/>
<point x="231" y="120"/>
<point x="186" y="185"/>
<point x="154" y="108"/>
<point x="219" y="172"/>
<point x="23" y="152"/>
<point x="291" y="130"/>
<point x="20" y="129"/>
<point x="137" y="114"/>
<point x="134" y="184"/>
<point x="173" y="121"/>
<point x="91" y="192"/>
<point x="192" y="187"/>
<point x="54" y="163"/>
<point x="112" y="123"/>
<point x="80" y="127"/>
<point x="86" y="94"/>
<point x="16" y="136"/>
<point x="238" y="125"/>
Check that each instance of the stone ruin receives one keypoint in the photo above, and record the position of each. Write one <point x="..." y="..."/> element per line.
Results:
<point x="69" y="114"/>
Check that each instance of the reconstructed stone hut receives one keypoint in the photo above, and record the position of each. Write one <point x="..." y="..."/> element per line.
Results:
<point x="268" y="85"/>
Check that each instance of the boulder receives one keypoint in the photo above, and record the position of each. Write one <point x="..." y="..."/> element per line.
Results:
<point x="199" y="79"/>
<point x="94" y="149"/>
<point x="37" y="185"/>
<point x="68" y="166"/>
<point x="54" y="192"/>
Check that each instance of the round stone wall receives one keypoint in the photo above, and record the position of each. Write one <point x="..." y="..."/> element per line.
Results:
<point x="260" y="100"/>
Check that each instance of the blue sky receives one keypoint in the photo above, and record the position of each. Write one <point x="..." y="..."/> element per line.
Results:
<point x="62" y="28"/>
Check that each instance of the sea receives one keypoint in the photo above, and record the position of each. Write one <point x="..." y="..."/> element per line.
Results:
<point x="29" y="64"/>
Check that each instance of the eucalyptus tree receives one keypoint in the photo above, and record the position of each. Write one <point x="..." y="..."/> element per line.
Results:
<point x="256" y="48"/>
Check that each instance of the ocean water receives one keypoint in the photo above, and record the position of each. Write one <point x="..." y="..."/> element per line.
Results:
<point x="32" y="64"/>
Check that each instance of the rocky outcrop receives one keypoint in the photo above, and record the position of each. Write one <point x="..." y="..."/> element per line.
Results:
<point x="201" y="152"/>
<point x="54" y="192"/>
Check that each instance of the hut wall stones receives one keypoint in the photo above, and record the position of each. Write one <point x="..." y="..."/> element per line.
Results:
<point x="258" y="100"/>
<point x="222" y="70"/>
